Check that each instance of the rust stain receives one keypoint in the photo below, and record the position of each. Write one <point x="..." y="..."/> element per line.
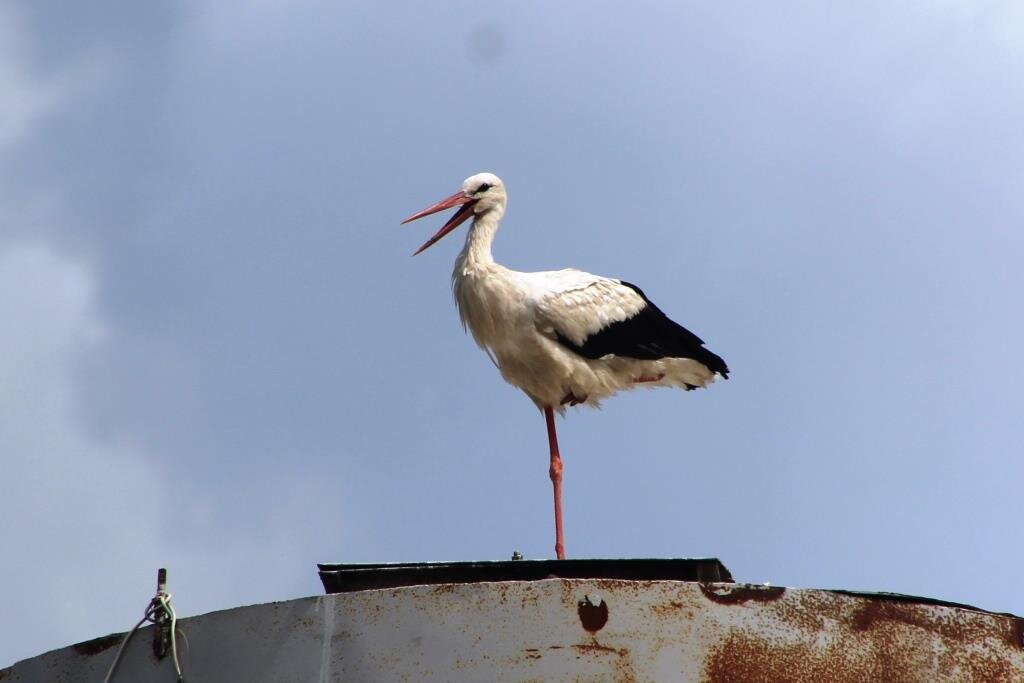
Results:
<point x="833" y="638"/>
<point x="1017" y="633"/>
<point x="97" y="645"/>
<point x="529" y="598"/>
<point x="747" y="657"/>
<point x="957" y="625"/>
<point x="874" y="611"/>
<point x="674" y="608"/>
<point x="737" y="594"/>
<point x="620" y="585"/>
<point x="593" y="617"/>
<point x="597" y="647"/>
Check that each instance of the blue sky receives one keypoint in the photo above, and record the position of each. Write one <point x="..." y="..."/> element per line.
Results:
<point x="219" y="356"/>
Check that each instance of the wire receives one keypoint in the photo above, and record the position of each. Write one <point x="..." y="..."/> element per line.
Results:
<point x="165" y="600"/>
<point x="120" y="650"/>
<point x="160" y="602"/>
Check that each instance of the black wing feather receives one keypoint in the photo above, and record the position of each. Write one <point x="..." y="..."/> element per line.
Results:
<point x="648" y="335"/>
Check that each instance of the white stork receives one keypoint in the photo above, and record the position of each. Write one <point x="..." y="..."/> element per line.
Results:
<point x="563" y="336"/>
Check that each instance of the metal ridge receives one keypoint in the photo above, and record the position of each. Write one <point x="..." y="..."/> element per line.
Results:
<point x="346" y="578"/>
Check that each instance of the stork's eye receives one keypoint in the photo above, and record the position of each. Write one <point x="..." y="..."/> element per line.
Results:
<point x="483" y="188"/>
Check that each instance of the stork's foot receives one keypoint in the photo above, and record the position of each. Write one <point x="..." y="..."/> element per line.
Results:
<point x="649" y="378"/>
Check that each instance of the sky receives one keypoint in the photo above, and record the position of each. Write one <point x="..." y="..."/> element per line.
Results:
<point x="219" y="357"/>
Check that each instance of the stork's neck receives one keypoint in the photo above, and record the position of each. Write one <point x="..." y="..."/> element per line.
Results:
<point x="477" y="251"/>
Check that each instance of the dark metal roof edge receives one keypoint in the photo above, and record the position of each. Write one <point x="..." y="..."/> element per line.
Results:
<point x="334" y="566"/>
<point x="916" y="599"/>
<point x="341" y="578"/>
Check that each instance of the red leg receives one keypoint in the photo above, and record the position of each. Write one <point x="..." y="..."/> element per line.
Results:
<point x="555" y="472"/>
<point x="652" y="378"/>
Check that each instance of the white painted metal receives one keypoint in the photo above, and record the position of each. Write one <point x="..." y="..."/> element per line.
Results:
<point x="557" y="630"/>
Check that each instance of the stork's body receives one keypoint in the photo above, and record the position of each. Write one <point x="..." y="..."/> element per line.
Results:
<point x="563" y="337"/>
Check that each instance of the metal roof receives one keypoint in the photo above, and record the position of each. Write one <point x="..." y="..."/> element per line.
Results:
<point x="343" y="578"/>
<point x="478" y="627"/>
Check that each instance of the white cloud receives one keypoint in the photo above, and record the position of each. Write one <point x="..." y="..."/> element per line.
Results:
<point x="24" y="100"/>
<point x="75" y="508"/>
<point x="89" y="520"/>
<point x="1007" y="22"/>
<point x="78" y="512"/>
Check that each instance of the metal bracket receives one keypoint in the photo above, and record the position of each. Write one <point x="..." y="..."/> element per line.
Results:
<point x="162" y="630"/>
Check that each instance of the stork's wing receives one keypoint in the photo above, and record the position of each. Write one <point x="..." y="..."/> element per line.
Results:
<point x="596" y="316"/>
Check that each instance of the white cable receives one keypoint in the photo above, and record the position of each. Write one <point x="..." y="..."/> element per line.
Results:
<point x="162" y="601"/>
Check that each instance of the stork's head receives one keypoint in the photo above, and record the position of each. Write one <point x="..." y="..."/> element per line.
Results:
<point x="480" y="193"/>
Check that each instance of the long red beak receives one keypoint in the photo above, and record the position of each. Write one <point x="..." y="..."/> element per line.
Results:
<point x="457" y="199"/>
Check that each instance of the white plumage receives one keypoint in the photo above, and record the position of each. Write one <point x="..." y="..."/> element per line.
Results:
<point x="564" y="336"/>
<point x="517" y="317"/>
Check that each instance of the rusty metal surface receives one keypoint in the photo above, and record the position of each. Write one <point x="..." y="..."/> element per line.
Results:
<point x="344" y="578"/>
<point x="574" y="630"/>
